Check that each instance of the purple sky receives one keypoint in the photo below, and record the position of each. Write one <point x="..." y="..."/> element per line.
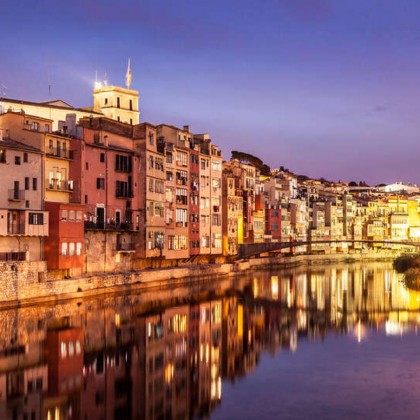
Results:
<point x="324" y="87"/>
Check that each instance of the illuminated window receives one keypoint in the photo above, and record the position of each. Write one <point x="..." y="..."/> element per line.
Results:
<point x="79" y="248"/>
<point x="63" y="350"/>
<point x="64" y="248"/>
<point x="71" y="348"/>
<point x="63" y="214"/>
<point x="71" y="248"/>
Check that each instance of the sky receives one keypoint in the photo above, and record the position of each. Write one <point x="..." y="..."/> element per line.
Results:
<point x="325" y="88"/>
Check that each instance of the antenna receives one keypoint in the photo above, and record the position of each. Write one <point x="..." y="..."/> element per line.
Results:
<point x="128" y="75"/>
<point x="49" y="84"/>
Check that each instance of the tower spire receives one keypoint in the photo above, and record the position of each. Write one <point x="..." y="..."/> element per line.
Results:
<point x="128" y="76"/>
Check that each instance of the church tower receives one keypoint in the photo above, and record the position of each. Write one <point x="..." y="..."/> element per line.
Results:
<point x="117" y="103"/>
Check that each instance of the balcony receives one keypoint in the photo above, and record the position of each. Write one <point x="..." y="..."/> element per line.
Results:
<point x="55" y="184"/>
<point x="16" y="229"/>
<point x="16" y="195"/>
<point x="12" y="256"/>
<point x="59" y="153"/>
<point x="101" y="225"/>
<point x="125" y="247"/>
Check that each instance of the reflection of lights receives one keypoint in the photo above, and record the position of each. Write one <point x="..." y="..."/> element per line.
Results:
<point x="117" y="320"/>
<point x="275" y="287"/>
<point x="387" y="280"/>
<point x="393" y="328"/>
<point x="240" y="321"/>
<point x="255" y="287"/>
<point x="219" y="388"/>
<point x="359" y="331"/>
<point x="213" y="391"/>
<point x="169" y="373"/>
<point x="214" y="371"/>
<point x="293" y="341"/>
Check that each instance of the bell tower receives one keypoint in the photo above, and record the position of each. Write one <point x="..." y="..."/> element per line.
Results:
<point x="117" y="103"/>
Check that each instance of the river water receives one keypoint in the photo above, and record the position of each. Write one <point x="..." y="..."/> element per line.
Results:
<point x="334" y="341"/>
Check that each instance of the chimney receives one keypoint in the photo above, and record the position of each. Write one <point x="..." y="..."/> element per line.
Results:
<point x="187" y="128"/>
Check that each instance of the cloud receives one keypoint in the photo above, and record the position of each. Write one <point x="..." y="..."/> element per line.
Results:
<point x="380" y="108"/>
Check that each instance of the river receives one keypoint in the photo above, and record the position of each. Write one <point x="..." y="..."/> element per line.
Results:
<point x="326" y="341"/>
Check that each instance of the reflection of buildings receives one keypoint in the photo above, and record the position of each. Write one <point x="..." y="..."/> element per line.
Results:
<point x="119" y="358"/>
<point x="64" y="356"/>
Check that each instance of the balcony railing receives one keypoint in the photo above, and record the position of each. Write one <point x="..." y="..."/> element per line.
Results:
<point x="16" y="195"/>
<point x="12" y="256"/>
<point x="56" y="184"/>
<point x="124" y="226"/>
<point x="125" y="247"/>
<point x="16" y="230"/>
<point x="55" y="152"/>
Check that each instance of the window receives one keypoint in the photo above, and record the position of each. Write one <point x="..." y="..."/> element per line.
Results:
<point x="216" y="165"/>
<point x="79" y="215"/>
<point x="131" y="104"/>
<point x="102" y="157"/>
<point x="87" y="165"/>
<point x="151" y="138"/>
<point x="181" y="177"/>
<point x="159" y="164"/>
<point x="106" y="101"/>
<point x="159" y="186"/>
<point x="182" y="158"/>
<point x="63" y="214"/>
<point x="71" y="249"/>
<point x="181" y="217"/>
<point x="86" y="199"/>
<point x="35" y="126"/>
<point x="36" y="218"/>
<point x="26" y="183"/>
<point x="27" y="204"/>
<point x="118" y="102"/>
<point x="122" y="189"/>
<point x="71" y="215"/>
<point x="123" y="163"/>
<point x="169" y="157"/>
<point x="25" y="157"/>
<point x="63" y="350"/>
<point x="17" y="160"/>
<point x="204" y="164"/>
<point x="47" y="128"/>
<point x="79" y="248"/>
<point x="151" y="184"/>
<point x="34" y="184"/>
<point x="181" y="196"/>
<point x="2" y="155"/>
<point x="100" y="183"/>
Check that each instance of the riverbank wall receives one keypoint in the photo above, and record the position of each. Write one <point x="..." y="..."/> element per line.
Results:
<point x="21" y="284"/>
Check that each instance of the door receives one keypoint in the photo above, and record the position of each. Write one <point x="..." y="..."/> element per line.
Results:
<point x="100" y="217"/>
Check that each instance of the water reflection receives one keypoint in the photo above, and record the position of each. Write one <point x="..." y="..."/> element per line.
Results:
<point x="165" y="354"/>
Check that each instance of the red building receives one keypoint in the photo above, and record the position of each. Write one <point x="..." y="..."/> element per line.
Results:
<point x="66" y="236"/>
<point x="273" y="222"/>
